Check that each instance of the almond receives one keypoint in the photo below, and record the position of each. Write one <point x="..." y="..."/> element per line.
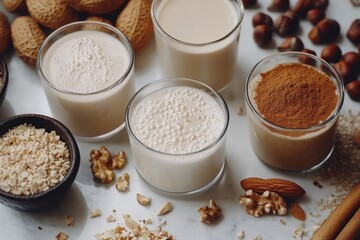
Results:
<point x="4" y="33"/>
<point x="135" y="22"/>
<point x="51" y="13"/>
<point x="27" y="38"/>
<point x="15" y="6"/>
<point x="297" y="212"/>
<point x="96" y="6"/>
<point x="284" y="188"/>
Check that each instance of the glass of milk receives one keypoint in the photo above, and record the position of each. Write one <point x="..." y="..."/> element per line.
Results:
<point x="198" y="39"/>
<point x="300" y="149"/>
<point x="87" y="72"/>
<point x="177" y="131"/>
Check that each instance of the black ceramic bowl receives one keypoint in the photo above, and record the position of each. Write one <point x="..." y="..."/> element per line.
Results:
<point x="50" y="197"/>
<point x="4" y="78"/>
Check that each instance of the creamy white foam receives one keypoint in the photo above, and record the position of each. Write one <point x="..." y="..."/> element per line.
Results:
<point x="178" y="120"/>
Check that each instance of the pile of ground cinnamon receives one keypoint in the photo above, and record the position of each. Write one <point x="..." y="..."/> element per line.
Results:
<point x="294" y="95"/>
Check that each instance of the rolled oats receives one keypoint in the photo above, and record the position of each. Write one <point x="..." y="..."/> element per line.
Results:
<point x="32" y="160"/>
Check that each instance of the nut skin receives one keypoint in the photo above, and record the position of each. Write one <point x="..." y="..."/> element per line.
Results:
<point x="331" y="53"/>
<point x="249" y="3"/>
<point x="307" y="60"/>
<point x="285" y="25"/>
<point x="279" y="5"/>
<point x="345" y="71"/>
<point x="315" y="15"/>
<point x="353" y="90"/>
<point x="325" y="31"/>
<point x="261" y="18"/>
<point x="262" y="35"/>
<point x="291" y="44"/>
<point x="353" y="59"/>
<point x="353" y="34"/>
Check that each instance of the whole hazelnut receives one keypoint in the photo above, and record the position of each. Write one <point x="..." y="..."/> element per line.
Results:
<point x="353" y="34"/>
<point x="285" y="25"/>
<point x="331" y="53"/>
<point x="325" y="31"/>
<point x="302" y="7"/>
<point x="353" y="90"/>
<point x="262" y="35"/>
<point x="345" y="71"/>
<point x="261" y="18"/>
<point x="249" y="3"/>
<point x="279" y="5"/>
<point x="315" y="15"/>
<point x="291" y="44"/>
<point x="353" y="59"/>
<point x="320" y="4"/>
<point x="306" y="59"/>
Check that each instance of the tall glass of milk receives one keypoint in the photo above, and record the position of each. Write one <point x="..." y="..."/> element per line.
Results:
<point x="87" y="71"/>
<point x="198" y="39"/>
<point x="177" y="131"/>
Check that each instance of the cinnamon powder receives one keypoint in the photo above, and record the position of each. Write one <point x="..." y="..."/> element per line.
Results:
<point x="295" y="95"/>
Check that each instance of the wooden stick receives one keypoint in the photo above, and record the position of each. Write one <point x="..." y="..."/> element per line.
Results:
<point x="352" y="228"/>
<point x="340" y="216"/>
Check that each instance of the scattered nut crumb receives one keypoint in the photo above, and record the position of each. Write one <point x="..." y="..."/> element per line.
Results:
<point x="258" y="237"/>
<point x="210" y="214"/>
<point x="95" y="213"/>
<point x="282" y="221"/>
<point x="241" y="111"/>
<point x="122" y="184"/>
<point x="143" y="200"/>
<point x="69" y="220"/>
<point x="62" y="236"/>
<point x="110" y="218"/>
<point x="241" y="235"/>
<point x="40" y="228"/>
<point x="316" y="183"/>
<point x="166" y="207"/>
<point x="148" y="221"/>
<point x="257" y="205"/>
<point x="134" y="231"/>
<point x="299" y="232"/>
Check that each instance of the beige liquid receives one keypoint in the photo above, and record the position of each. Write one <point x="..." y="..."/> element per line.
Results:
<point x="91" y="114"/>
<point x="199" y="50"/>
<point x="285" y="150"/>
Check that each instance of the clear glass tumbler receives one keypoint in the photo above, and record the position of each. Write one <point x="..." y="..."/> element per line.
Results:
<point x="193" y="45"/>
<point x="176" y="173"/>
<point x="92" y="115"/>
<point x="293" y="148"/>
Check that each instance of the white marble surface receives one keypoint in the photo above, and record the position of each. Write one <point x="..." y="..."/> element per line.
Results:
<point x="25" y="95"/>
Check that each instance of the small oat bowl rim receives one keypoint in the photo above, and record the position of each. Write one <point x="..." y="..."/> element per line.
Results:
<point x="50" y="197"/>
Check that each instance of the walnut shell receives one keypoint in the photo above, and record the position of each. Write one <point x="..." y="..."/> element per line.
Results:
<point x="4" y="33"/>
<point x="27" y="38"/>
<point x="135" y="22"/>
<point x="51" y="13"/>
<point x="97" y="6"/>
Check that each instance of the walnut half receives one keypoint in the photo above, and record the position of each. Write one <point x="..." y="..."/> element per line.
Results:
<point x="257" y="205"/>
<point x="210" y="214"/>
<point x="100" y="159"/>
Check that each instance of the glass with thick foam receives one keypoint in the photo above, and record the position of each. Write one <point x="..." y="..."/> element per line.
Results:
<point x="292" y="123"/>
<point x="87" y="72"/>
<point x="177" y="131"/>
<point x="198" y="39"/>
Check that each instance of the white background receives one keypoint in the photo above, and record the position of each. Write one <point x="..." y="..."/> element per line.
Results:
<point x="25" y="95"/>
